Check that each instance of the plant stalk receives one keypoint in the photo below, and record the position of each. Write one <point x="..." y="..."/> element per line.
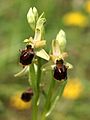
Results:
<point x="35" y="82"/>
<point x="48" y="99"/>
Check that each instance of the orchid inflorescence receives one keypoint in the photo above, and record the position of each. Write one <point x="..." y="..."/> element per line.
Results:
<point x="30" y="59"/>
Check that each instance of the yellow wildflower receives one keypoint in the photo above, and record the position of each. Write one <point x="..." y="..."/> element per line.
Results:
<point x="73" y="89"/>
<point x="18" y="103"/>
<point x="87" y="6"/>
<point x="75" y="19"/>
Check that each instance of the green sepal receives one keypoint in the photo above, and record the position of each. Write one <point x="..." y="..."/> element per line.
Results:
<point x="42" y="54"/>
<point x="22" y="72"/>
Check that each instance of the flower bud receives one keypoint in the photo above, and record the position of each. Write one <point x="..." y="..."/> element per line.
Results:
<point x="61" y="38"/>
<point x="35" y="12"/>
<point x="32" y="17"/>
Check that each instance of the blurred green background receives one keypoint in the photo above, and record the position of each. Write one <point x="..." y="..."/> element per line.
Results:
<point x="73" y="16"/>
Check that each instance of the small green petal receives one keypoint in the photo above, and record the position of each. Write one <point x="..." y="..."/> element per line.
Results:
<point x="68" y="65"/>
<point x="29" y="41"/>
<point x="26" y="41"/>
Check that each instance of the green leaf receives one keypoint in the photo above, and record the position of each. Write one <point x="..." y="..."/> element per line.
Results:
<point x="57" y="96"/>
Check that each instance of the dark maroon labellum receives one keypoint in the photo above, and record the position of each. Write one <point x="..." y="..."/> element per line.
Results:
<point x="27" y="55"/>
<point x="27" y="95"/>
<point x="60" y="70"/>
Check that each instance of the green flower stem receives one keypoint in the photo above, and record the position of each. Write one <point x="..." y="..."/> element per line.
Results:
<point x="48" y="99"/>
<point x="35" y="108"/>
<point x="37" y="92"/>
<point x="44" y="116"/>
<point x="32" y="77"/>
<point x="38" y="74"/>
<point x="34" y="80"/>
<point x="29" y="79"/>
<point x="52" y="99"/>
<point x="50" y="92"/>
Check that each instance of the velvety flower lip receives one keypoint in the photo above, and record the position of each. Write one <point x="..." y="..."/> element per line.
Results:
<point x="27" y="95"/>
<point x="17" y="103"/>
<point x="60" y="70"/>
<point x="27" y="55"/>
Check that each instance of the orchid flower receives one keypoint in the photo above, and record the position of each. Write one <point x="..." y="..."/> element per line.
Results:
<point x="57" y="54"/>
<point x="34" y="45"/>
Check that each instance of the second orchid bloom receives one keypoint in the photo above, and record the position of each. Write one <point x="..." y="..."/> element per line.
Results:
<point x="57" y="58"/>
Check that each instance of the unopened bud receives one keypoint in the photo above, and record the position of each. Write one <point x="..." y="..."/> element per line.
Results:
<point x="61" y="38"/>
<point x="32" y="17"/>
